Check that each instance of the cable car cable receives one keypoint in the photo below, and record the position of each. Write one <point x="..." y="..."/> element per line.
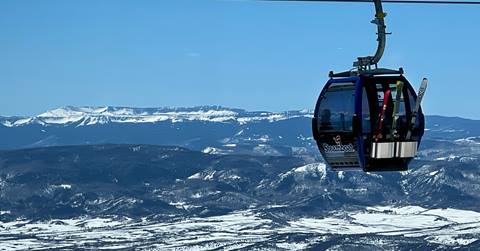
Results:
<point x="385" y="1"/>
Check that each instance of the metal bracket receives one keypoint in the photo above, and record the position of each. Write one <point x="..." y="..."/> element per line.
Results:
<point x="370" y="72"/>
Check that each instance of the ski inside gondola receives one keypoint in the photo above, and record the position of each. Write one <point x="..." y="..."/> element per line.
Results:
<point x="396" y="107"/>
<point x="421" y="93"/>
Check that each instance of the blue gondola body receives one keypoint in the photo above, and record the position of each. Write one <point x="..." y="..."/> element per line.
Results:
<point x="344" y="124"/>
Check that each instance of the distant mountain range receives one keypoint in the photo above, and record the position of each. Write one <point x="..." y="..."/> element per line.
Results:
<point x="85" y="116"/>
<point x="211" y="129"/>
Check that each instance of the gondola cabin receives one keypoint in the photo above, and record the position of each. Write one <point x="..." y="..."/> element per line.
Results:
<point x="368" y="123"/>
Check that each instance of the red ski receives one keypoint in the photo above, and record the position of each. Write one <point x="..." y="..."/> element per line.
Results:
<point x="381" y="115"/>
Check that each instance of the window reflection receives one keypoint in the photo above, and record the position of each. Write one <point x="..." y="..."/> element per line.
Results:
<point x="337" y="108"/>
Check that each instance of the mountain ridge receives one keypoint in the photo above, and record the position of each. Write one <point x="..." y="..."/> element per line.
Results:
<point x="213" y="113"/>
<point x="211" y="129"/>
<point x="105" y="114"/>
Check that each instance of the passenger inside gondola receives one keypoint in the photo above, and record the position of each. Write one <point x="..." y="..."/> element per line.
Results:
<point x="325" y="120"/>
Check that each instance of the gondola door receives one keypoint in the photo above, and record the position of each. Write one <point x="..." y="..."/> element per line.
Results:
<point x="335" y="123"/>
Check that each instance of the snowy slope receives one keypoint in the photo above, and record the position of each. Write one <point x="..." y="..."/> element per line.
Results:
<point x="385" y="228"/>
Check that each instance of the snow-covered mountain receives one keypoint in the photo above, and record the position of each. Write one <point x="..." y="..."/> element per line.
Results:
<point x="211" y="129"/>
<point x="87" y="116"/>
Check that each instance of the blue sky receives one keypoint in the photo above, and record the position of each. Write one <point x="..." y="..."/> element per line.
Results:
<point x="245" y="54"/>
